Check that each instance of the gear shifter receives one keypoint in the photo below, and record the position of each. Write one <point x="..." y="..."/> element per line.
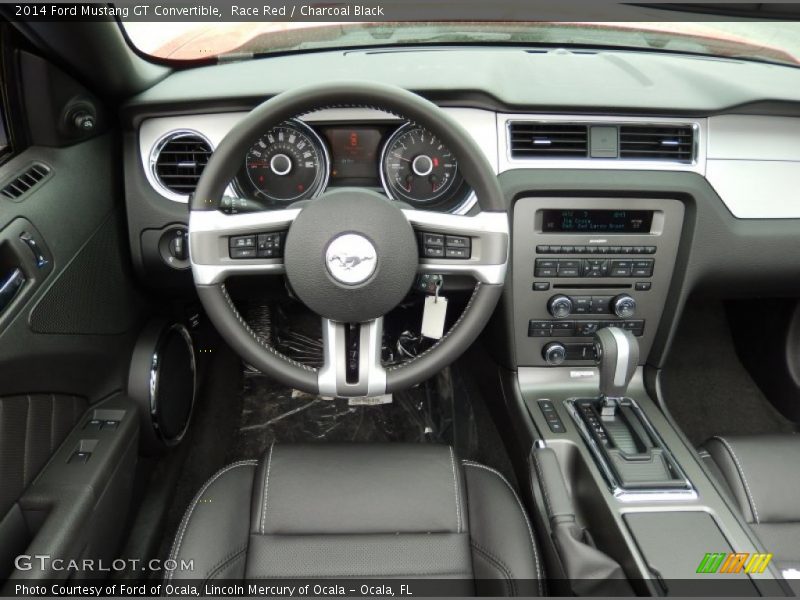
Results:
<point x="617" y="353"/>
<point x="617" y="430"/>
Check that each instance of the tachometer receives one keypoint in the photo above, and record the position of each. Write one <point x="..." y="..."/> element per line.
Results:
<point x="288" y="163"/>
<point x="416" y="166"/>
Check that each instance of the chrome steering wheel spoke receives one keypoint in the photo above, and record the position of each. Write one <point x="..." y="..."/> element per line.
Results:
<point x="209" y="243"/>
<point x="352" y="355"/>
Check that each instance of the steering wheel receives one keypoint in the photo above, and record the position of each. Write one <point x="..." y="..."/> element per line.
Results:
<point x="341" y="227"/>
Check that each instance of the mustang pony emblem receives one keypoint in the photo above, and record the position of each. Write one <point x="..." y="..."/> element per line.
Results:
<point x="351" y="259"/>
<point x="348" y="262"/>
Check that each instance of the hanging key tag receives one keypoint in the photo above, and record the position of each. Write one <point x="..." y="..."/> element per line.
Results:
<point x="433" y="315"/>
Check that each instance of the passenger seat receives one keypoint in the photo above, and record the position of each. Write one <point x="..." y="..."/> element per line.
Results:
<point x="762" y="475"/>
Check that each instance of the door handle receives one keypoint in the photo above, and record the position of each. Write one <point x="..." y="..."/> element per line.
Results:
<point x="10" y="286"/>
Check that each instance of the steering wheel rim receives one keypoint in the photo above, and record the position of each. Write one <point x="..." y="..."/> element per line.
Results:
<point x="209" y="230"/>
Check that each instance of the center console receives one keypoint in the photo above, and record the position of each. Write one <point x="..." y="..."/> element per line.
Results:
<point x="627" y="504"/>
<point x="581" y="264"/>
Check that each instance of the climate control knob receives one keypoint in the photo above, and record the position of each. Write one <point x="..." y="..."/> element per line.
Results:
<point x="624" y="306"/>
<point x="554" y="353"/>
<point x="560" y="306"/>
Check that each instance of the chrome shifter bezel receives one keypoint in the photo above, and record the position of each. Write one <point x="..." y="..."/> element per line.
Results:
<point x="617" y="489"/>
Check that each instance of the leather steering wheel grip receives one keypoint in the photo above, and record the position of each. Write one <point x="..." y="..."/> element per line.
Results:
<point x="225" y="162"/>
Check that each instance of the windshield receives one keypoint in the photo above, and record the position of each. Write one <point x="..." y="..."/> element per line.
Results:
<point x="775" y="41"/>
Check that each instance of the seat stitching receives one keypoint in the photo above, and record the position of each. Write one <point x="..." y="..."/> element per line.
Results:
<point x="501" y="566"/>
<point x="750" y="498"/>
<point x="266" y="489"/>
<point x="466" y="574"/>
<point x="176" y="548"/>
<point x="467" y="463"/>
<point x="455" y="488"/>
<point x="212" y="572"/>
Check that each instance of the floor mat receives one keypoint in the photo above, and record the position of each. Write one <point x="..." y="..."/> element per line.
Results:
<point x="274" y="413"/>
<point x="707" y="389"/>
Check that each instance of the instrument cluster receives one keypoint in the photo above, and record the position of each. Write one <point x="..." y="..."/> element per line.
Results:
<point x="294" y="161"/>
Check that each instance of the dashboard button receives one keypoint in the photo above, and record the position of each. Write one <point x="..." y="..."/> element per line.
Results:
<point x="542" y="249"/>
<point x="643" y="286"/>
<point x="542" y="263"/>
<point x="541" y="286"/>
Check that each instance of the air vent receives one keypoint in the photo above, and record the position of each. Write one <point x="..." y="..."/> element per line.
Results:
<point x="657" y="142"/>
<point x="179" y="160"/>
<point x="25" y="182"/>
<point x="548" y="140"/>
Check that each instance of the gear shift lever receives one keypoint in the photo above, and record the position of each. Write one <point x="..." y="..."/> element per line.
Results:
<point x="617" y="353"/>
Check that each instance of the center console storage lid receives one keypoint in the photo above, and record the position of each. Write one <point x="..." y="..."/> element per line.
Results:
<point x="674" y="545"/>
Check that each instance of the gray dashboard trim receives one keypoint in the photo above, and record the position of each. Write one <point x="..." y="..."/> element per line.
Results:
<point x="753" y="162"/>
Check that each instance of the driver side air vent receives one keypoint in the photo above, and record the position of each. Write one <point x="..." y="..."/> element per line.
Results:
<point x="548" y="140"/>
<point x="657" y="142"/>
<point x="178" y="161"/>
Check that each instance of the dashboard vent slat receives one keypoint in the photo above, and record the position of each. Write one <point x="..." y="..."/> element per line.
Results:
<point x="180" y="160"/>
<point x="25" y="181"/>
<point x="548" y="140"/>
<point x="657" y="142"/>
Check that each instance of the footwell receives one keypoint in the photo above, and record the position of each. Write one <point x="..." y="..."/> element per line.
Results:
<point x="272" y="413"/>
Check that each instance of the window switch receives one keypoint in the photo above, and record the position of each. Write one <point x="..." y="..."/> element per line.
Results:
<point x="110" y="424"/>
<point x="80" y="457"/>
<point x="93" y="425"/>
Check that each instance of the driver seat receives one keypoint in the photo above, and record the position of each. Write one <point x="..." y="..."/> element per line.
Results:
<point x="337" y="511"/>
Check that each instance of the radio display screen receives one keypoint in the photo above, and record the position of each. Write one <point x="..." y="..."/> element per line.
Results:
<point x="596" y="221"/>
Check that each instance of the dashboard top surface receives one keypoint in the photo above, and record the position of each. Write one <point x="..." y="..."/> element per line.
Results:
<point x="503" y="78"/>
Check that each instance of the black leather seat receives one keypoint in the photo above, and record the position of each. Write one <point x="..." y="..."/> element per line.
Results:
<point x="389" y="511"/>
<point x="762" y="475"/>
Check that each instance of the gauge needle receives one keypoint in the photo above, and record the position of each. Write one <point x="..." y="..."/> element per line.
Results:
<point x="401" y="157"/>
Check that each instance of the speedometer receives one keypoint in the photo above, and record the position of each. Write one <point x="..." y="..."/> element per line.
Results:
<point x="416" y="166"/>
<point x="288" y="163"/>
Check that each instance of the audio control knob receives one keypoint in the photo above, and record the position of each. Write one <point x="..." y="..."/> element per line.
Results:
<point x="560" y="306"/>
<point x="624" y="306"/>
<point x="554" y="353"/>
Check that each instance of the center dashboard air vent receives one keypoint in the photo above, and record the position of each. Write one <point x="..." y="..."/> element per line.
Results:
<point x="178" y="160"/>
<point x="548" y="140"/>
<point x="631" y="141"/>
<point x="657" y="142"/>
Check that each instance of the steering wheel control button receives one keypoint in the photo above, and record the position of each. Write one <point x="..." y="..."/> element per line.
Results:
<point x="260" y="245"/>
<point x="434" y="251"/>
<point x="268" y="245"/>
<point x="351" y="258"/>
<point x="243" y="241"/>
<point x="439" y="245"/>
<point x="433" y="239"/>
